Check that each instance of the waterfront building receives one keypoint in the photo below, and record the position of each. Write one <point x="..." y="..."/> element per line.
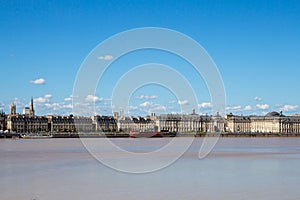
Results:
<point x="290" y="124"/>
<point x="27" y="124"/>
<point x="190" y="123"/>
<point x="61" y="124"/>
<point x="83" y="124"/>
<point x="105" y="123"/>
<point x="144" y="124"/>
<point x="2" y="121"/>
<point x="272" y="122"/>
<point x="127" y="124"/>
<point x="69" y="124"/>
<point x="237" y="124"/>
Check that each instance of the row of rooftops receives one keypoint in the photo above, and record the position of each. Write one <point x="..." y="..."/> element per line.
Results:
<point x="194" y="116"/>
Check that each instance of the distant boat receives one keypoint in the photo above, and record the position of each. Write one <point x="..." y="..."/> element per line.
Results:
<point x="117" y="135"/>
<point x="35" y="136"/>
<point x="166" y="133"/>
<point x="9" y="134"/>
<point x="144" y="134"/>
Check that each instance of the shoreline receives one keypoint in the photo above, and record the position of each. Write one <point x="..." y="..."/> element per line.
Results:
<point x="250" y="135"/>
<point x="125" y="135"/>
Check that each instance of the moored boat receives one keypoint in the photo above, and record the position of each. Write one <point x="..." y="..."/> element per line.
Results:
<point x="166" y="133"/>
<point x="144" y="134"/>
<point x="35" y="136"/>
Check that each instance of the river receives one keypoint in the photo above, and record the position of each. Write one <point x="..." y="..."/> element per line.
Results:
<point x="237" y="168"/>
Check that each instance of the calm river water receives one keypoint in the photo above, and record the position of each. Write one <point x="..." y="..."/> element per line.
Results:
<point x="237" y="168"/>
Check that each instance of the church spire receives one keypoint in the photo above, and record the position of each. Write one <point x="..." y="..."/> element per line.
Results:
<point x="31" y="108"/>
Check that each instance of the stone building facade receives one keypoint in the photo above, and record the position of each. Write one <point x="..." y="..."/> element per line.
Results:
<point x="237" y="123"/>
<point x="190" y="123"/>
<point x="26" y="124"/>
<point x="273" y="122"/>
<point x="2" y="121"/>
<point x="104" y="123"/>
<point x="70" y="124"/>
<point x="127" y="124"/>
<point x="290" y="124"/>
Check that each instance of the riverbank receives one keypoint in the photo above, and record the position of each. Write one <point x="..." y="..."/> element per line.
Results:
<point x="248" y="135"/>
<point x="126" y="135"/>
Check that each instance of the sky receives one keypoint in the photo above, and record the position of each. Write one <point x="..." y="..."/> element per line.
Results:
<point x="254" y="44"/>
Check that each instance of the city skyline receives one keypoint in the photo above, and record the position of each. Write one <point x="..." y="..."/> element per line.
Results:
<point x="255" y="49"/>
<point x="29" y="110"/>
<point x="170" y="124"/>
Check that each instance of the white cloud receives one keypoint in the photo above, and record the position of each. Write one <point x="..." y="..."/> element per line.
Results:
<point x="262" y="106"/>
<point x="68" y="99"/>
<point x="257" y="98"/>
<point x="146" y="97"/>
<point x="158" y="108"/>
<point x="183" y="102"/>
<point x="43" y="99"/>
<point x="205" y="105"/>
<point x="288" y="108"/>
<point x="146" y="104"/>
<point x="106" y="57"/>
<point x="233" y="107"/>
<point x="39" y="81"/>
<point x="92" y="98"/>
<point x="58" y="106"/>
<point x="48" y="96"/>
<point x="132" y="107"/>
<point x="248" y="107"/>
<point x="70" y="106"/>
<point x="50" y="105"/>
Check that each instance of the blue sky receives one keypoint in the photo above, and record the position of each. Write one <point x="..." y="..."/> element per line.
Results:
<point x="255" y="45"/>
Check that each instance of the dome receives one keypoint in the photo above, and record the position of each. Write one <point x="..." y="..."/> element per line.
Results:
<point x="273" y="114"/>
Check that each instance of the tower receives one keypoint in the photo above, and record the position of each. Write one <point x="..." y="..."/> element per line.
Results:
<point x="31" y="112"/>
<point x="193" y="111"/>
<point x="13" y="109"/>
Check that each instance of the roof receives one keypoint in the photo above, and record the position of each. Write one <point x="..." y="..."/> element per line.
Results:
<point x="273" y="114"/>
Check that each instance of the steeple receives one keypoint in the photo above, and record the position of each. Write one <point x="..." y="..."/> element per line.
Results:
<point x="31" y="108"/>
<point x="13" y="109"/>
